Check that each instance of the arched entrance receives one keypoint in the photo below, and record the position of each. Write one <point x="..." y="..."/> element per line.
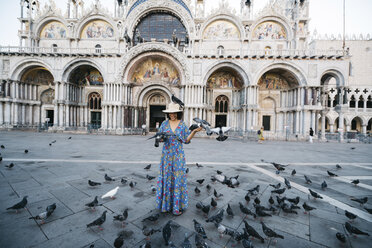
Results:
<point x="157" y="103"/>
<point x="95" y="109"/>
<point x="221" y="109"/>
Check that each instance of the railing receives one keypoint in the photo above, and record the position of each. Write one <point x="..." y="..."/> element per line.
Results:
<point x="188" y="51"/>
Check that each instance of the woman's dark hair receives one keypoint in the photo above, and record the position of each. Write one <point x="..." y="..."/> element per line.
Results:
<point x="179" y="115"/>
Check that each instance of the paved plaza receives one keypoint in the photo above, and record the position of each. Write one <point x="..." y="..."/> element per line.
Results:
<point x="59" y="173"/>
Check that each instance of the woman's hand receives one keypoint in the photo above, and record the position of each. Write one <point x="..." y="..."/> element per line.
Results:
<point x="198" y="129"/>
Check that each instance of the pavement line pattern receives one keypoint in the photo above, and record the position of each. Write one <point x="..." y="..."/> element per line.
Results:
<point x="348" y="180"/>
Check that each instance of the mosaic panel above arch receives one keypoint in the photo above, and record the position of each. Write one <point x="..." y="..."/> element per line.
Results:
<point x="86" y="75"/>
<point x="273" y="81"/>
<point x="47" y="96"/>
<point x="37" y="75"/>
<point x="54" y="30"/>
<point x="222" y="79"/>
<point x="221" y="29"/>
<point x="97" y="29"/>
<point x="154" y="68"/>
<point x="269" y="30"/>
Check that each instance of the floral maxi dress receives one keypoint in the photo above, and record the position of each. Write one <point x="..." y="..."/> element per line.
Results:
<point x="171" y="193"/>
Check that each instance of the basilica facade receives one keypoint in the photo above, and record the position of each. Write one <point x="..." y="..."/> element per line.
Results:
<point x="112" y="68"/>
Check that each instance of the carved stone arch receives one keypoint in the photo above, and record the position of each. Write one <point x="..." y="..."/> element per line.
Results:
<point x="144" y="95"/>
<point x="72" y="65"/>
<point x="143" y="48"/>
<point x="95" y="16"/>
<point x="25" y="64"/>
<point x="153" y="6"/>
<point x="363" y="119"/>
<point x="294" y="69"/>
<point x="46" y="20"/>
<point x="275" y="18"/>
<point x="47" y="96"/>
<point x="271" y="99"/>
<point x="336" y="73"/>
<point x="234" y="65"/>
<point x="331" y="118"/>
<point x="226" y="17"/>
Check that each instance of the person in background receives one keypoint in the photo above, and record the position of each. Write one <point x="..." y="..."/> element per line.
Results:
<point x="311" y="132"/>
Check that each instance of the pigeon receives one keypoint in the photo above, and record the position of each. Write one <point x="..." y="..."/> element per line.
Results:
<point x="217" y="218"/>
<point x="271" y="200"/>
<point x="2" y="147"/>
<point x="119" y="241"/>
<point x="122" y="217"/>
<point x="1" y="158"/>
<point x="187" y="170"/>
<point x="54" y="141"/>
<point x="220" y="178"/>
<point x="204" y="124"/>
<point x="69" y="138"/>
<point x="199" y="229"/>
<point x="247" y="198"/>
<point x="324" y="185"/>
<point x="51" y="207"/>
<point x="208" y="187"/>
<point x="247" y="243"/>
<point x="42" y="216"/>
<point x="111" y="193"/>
<point x="217" y="195"/>
<point x="147" y="231"/>
<point x="355" y="182"/>
<point x="221" y="229"/>
<point x="197" y="190"/>
<point x="341" y="237"/>
<point x="219" y="172"/>
<point x="199" y="205"/>
<point x="315" y="195"/>
<point x="308" y="181"/>
<point x="178" y="101"/>
<point x="206" y="209"/>
<point x="199" y="242"/>
<point x="257" y="201"/>
<point x="307" y="208"/>
<point x="338" y="166"/>
<point x="153" y="189"/>
<point x="149" y="177"/>
<point x="289" y="209"/>
<point x="108" y="179"/>
<point x="123" y="181"/>
<point x="352" y="148"/>
<point x="369" y="210"/>
<point x="50" y="144"/>
<point x="278" y="167"/>
<point x="287" y="183"/>
<point x="213" y="203"/>
<point x="278" y="191"/>
<point x="245" y="210"/>
<point x="220" y="131"/>
<point x="269" y="232"/>
<point x="11" y="165"/>
<point x="26" y="151"/>
<point x="132" y="184"/>
<point x="352" y="229"/>
<point x="98" y="222"/>
<point x="351" y="216"/>
<point x="260" y="212"/>
<point x="92" y="183"/>
<point x="93" y="204"/>
<point x="186" y="242"/>
<point x="19" y="205"/>
<point x="293" y="172"/>
<point x="167" y="232"/>
<point x="252" y="232"/>
<point x="255" y="190"/>
<point x="360" y="200"/>
<point x="198" y="165"/>
<point x="229" y="211"/>
<point x="331" y="174"/>
<point x="200" y="181"/>
<point x="148" y="167"/>
<point x="152" y="218"/>
<point x="275" y="186"/>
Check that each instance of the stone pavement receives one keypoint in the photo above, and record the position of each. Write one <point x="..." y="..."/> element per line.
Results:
<point x="59" y="174"/>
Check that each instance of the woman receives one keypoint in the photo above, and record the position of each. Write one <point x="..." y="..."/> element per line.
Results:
<point x="260" y="135"/>
<point x="171" y="194"/>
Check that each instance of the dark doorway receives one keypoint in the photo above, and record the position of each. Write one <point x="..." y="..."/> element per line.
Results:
<point x="156" y="116"/>
<point x="221" y="120"/>
<point x="95" y="119"/>
<point x="50" y="115"/>
<point x="266" y="122"/>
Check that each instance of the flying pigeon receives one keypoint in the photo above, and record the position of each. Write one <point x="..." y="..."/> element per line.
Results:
<point x="220" y="131"/>
<point x="19" y="205"/>
<point x="204" y="124"/>
<point x="111" y="193"/>
<point x="98" y="222"/>
<point x="92" y="183"/>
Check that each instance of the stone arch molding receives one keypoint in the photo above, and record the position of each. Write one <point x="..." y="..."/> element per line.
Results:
<point x="223" y="17"/>
<point x="234" y="65"/>
<point x="25" y="64"/>
<point x="363" y="119"/>
<point x="153" y="5"/>
<point x="336" y="73"/>
<point x="145" y="93"/>
<point x="66" y="71"/>
<point x="275" y="18"/>
<point x="295" y="70"/>
<point x="176" y="56"/>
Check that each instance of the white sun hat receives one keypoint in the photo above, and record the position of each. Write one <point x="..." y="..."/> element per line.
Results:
<point x="173" y="108"/>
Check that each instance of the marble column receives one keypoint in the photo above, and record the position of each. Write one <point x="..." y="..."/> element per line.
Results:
<point x="7" y="113"/>
<point x="1" y="113"/>
<point x="364" y="129"/>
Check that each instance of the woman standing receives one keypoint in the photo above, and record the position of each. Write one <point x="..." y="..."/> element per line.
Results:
<point x="171" y="194"/>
